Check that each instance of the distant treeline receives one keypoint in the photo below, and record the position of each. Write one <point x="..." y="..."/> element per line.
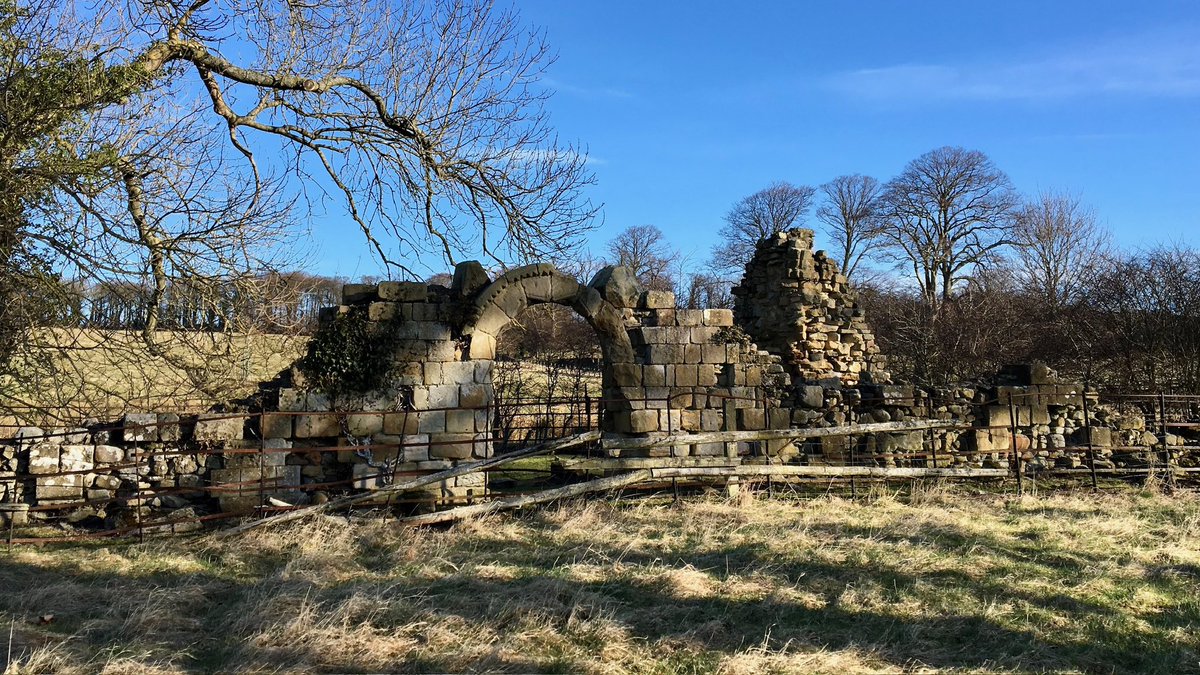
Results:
<point x="277" y="302"/>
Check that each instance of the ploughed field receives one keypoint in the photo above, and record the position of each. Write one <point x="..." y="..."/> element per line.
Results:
<point x="937" y="580"/>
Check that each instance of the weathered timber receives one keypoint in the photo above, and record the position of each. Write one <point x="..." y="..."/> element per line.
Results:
<point x="630" y="463"/>
<point x="834" y="471"/>
<point x="597" y="485"/>
<point x="420" y="481"/>
<point x="772" y="434"/>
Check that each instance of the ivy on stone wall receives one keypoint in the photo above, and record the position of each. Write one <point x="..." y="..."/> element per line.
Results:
<point x="351" y="354"/>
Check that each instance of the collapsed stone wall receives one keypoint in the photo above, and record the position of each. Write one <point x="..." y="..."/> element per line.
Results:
<point x="796" y="352"/>
<point x="795" y="304"/>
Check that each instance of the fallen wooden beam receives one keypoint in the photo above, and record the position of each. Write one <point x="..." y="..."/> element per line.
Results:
<point x="772" y="434"/>
<point x="835" y="471"/>
<point x="631" y="463"/>
<point x="419" y="481"/>
<point x="516" y="502"/>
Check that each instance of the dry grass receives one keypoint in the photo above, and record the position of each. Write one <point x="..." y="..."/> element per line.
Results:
<point x="946" y="582"/>
<point x="90" y="371"/>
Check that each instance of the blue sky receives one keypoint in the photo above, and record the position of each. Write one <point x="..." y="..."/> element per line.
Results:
<point x="687" y="107"/>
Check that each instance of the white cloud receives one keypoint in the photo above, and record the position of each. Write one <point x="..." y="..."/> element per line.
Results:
<point x="1151" y="64"/>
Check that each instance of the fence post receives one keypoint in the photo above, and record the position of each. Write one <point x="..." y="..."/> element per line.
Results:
<point x="1012" y="444"/>
<point x="1166" y="449"/>
<point x="1087" y="425"/>
<point x="137" y="460"/>
<point x="587" y="420"/>
<point x="262" y="457"/>
<point x="671" y="449"/>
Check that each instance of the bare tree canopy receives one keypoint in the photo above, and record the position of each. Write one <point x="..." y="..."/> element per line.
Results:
<point x="1059" y="244"/>
<point x="850" y="214"/>
<point x="763" y="214"/>
<point x="645" y="251"/>
<point x="945" y="214"/>
<point x="707" y="291"/>
<point x="157" y="142"/>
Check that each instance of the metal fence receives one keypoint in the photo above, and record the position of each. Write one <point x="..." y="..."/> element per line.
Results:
<point x="855" y="454"/>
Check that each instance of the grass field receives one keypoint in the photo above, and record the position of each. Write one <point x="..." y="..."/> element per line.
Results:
<point x="935" y="582"/>
<point x="89" y="372"/>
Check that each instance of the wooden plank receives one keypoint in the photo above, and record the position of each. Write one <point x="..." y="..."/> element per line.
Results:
<point x="630" y="463"/>
<point x="598" y="485"/>
<point x="420" y="481"/>
<point x="773" y="434"/>
<point x="832" y="471"/>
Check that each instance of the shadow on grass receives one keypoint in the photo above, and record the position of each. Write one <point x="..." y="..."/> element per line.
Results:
<point x="638" y="599"/>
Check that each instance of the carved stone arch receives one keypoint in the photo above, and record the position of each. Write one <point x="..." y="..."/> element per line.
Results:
<point x="500" y="303"/>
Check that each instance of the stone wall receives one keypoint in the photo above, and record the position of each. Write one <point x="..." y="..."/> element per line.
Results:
<point x="796" y="352"/>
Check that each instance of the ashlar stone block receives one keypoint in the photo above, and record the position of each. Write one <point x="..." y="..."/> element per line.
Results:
<point x="218" y="427"/>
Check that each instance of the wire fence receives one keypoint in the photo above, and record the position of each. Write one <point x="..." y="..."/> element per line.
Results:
<point x="142" y="499"/>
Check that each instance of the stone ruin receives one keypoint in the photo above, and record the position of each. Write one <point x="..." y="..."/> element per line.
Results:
<point x="795" y="352"/>
<point x="796" y="305"/>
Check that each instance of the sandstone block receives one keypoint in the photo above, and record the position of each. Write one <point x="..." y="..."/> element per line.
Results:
<point x="53" y="488"/>
<point x="106" y="482"/>
<point x="718" y="318"/>
<point x="292" y="400"/>
<point x="711" y="419"/>
<point x="276" y="426"/>
<point x="403" y="291"/>
<point x="1096" y="436"/>
<point x="443" y="396"/>
<point x="460" y="421"/>
<point x="751" y="419"/>
<point x="458" y="372"/>
<point x="643" y="421"/>
<point x="139" y="427"/>
<point x="713" y="353"/>
<point x="811" y="396"/>
<point x="364" y="425"/>
<point x="687" y="376"/>
<point x="317" y="426"/>
<point x="43" y="458"/>
<point x="383" y="311"/>
<point x="657" y="300"/>
<point x="431" y="422"/>
<point x="168" y="427"/>
<point x="75" y="457"/>
<point x="355" y="293"/>
<point x="401" y="423"/>
<point x="664" y="354"/>
<point x="469" y="278"/>
<point x="451" y="446"/>
<point x="618" y="285"/>
<point x="474" y="396"/>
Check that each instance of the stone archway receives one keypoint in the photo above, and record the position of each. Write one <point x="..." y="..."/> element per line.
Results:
<point x="500" y="303"/>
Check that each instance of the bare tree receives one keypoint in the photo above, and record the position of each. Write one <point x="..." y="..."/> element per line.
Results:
<point x="707" y="291"/>
<point x="756" y="217"/>
<point x="850" y="213"/>
<point x="1058" y="245"/>
<point x="1147" y="332"/>
<point x="945" y="214"/>
<point x="166" y="141"/>
<point x="644" y="250"/>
